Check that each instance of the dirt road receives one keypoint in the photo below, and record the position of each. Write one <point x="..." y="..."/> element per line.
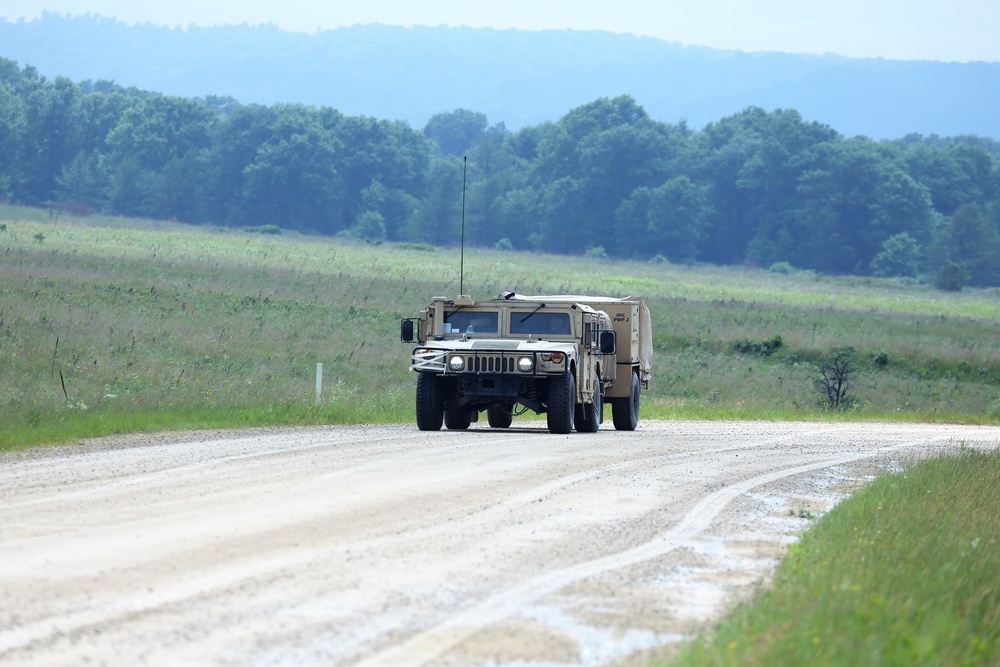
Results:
<point x="387" y="546"/>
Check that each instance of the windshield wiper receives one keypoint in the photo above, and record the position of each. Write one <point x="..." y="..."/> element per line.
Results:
<point x="449" y="313"/>
<point x="525" y="319"/>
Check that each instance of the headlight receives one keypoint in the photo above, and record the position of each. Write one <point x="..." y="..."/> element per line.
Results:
<point x="456" y="363"/>
<point x="525" y="364"/>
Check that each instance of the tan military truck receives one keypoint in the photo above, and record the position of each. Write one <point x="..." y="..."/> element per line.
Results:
<point x="562" y="356"/>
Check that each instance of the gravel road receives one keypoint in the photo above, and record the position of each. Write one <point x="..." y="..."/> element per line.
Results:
<point x="387" y="546"/>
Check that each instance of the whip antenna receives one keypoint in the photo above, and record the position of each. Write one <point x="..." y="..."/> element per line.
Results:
<point x="461" y="270"/>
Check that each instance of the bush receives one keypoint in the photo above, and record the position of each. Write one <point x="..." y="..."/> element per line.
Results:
<point x="900" y="257"/>
<point x="951" y="277"/>
<point x="596" y="252"/>
<point x="881" y="359"/>
<point x="264" y="229"/>
<point x="784" y="268"/>
<point x="421" y="247"/>
<point x="370" y="226"/>
<point x="504" y="245"/>
<point x="764" y="348"/>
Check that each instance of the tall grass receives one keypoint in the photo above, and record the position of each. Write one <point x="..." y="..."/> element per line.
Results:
<point x="905" y="572"/>
<point x="119" y="324"/>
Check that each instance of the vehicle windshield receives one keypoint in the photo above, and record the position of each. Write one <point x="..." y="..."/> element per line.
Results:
<point x="540" y="323"/>
<point x="470" y="321"/>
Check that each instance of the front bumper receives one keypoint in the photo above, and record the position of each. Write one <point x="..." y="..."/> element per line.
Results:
<point x="519" y="363"/>
<point x="489" y="376"/>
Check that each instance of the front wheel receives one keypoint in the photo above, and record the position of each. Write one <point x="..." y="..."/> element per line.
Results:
<point x="430" y="402"/>
<point x="625" y="411"/>
<point x="588" y="415"/>
<point x="562" y="403"/>
<point x="457" y="420"/>
<point x="500" y="416"/>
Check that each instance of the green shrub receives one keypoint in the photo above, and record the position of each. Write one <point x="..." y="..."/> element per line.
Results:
<point x="504" y="245"/>
<point x="764" y="348"/>
<point x="370" y="226"/>
<point x="951" y="277"/>
<point x="264" y="229"/>
<point x="881" y="359"/>
<point x="784" y="268"/>
<point x="900" y="256"/>
<point x="420" y="247"/>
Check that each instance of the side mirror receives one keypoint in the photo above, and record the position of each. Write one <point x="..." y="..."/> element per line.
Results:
<point x="608" y="342"/>
<point x="406" y="331"/>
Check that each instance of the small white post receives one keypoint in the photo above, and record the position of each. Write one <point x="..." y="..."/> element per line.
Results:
<point x="319" y="382"/>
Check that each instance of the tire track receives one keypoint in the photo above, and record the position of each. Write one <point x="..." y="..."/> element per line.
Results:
<point x="434" y="642"/>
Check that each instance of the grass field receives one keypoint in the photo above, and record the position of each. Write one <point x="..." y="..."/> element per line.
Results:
<point x="903" y="573"/>
<point x="110" y="325"/>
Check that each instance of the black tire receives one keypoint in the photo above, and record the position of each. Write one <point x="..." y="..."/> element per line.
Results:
<point x="588" y="415"/>
<point x="625" y="411"/>
<point x="457" y="420"/>
<point x="500" y="416"/>
<point x="430" y="402"/>
<point x="562" y="403"/>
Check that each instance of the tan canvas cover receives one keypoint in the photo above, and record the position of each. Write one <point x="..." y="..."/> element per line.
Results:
<point x="645" y="326"/>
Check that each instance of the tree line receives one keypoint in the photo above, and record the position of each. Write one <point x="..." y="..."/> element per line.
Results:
<point x="765" y="188"/>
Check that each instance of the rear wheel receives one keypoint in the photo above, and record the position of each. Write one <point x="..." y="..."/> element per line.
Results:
<point x="457" y="420"/>
<point x="500" y="416"/>
<point x="625" y="411"/>
<point x="562" y="403"/>
<point x="430" y="402"/>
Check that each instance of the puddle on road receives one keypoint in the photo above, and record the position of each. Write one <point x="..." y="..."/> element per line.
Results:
<point x="597" y="646"/>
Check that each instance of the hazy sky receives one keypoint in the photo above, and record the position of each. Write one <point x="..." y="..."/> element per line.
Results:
<point x="952" y="30"/>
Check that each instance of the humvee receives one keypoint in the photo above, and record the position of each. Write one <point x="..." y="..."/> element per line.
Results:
<point x="563" y="356"/>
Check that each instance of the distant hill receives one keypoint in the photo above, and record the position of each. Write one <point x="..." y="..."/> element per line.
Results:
<point x="517" y="77"/>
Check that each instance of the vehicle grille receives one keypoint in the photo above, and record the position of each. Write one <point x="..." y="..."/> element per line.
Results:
<point x="491" y="364"/>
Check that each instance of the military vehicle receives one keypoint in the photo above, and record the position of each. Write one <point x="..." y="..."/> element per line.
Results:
<point x="563" y="356"/>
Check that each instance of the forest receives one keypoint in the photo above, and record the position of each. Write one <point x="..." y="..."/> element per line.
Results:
<point x="760" y="187"/>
